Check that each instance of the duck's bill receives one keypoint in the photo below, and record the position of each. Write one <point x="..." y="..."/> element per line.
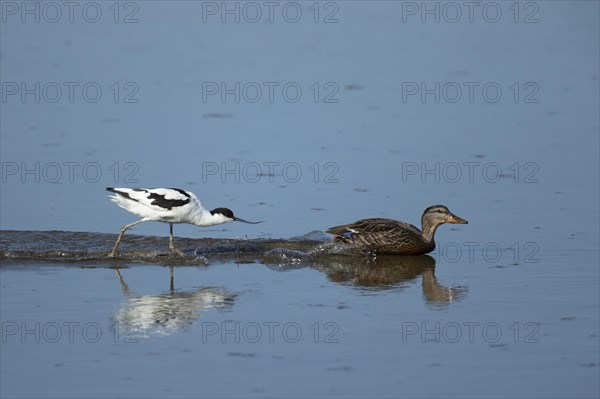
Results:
<point x="245" y="221"/>
<point x="456" y="220"/>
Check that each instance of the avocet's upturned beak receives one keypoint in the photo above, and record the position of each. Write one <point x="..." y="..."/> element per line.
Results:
<point x="456" y="220"/>
<point x="245" y="221"/>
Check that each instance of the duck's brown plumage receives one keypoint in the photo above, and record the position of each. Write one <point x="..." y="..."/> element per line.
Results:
<point x="383" y="236"/>
<point x="387" y="236"/>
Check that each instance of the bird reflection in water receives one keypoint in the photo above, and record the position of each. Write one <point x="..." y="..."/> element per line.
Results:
<point x="169" y="312"/>
<point x="387" y="272"/>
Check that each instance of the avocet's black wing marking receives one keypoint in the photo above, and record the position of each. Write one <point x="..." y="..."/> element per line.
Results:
<point x="168" y="198"/>
<point x="161" y="198"/>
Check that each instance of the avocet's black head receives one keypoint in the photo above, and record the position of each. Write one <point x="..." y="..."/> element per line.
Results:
<point x="228" y="213"/>
<point x="228" y="216"/>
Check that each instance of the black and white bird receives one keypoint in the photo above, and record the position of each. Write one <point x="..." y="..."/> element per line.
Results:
<point x="167" y="205"/>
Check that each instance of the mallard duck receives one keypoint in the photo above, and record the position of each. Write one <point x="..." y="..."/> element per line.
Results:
<point x="387" y="236"/>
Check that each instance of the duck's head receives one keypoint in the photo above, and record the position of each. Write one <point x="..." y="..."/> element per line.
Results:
<point x="439" y="214"/>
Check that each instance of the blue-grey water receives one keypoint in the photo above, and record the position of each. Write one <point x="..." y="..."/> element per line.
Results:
<point x="305" y="115"/>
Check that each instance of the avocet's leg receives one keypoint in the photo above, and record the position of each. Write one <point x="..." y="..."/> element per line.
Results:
<point x="171" y="245"/>
<point x="124" y="286"/>
<point x="123" y="230"/>
<point x="172" y="285"/>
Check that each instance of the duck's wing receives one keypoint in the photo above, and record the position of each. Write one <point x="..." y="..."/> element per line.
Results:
<point x="383" y="235"/>
<point x="159" y="199"/>
<point x="374" y="225"/>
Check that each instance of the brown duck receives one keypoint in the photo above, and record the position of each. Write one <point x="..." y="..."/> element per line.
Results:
<point x="387" y="236"/>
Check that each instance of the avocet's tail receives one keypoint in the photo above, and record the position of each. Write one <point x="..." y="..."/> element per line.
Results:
<point x="125" y="197"/>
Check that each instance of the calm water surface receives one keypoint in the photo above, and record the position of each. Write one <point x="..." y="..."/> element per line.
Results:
<point x="507" y="306"/>
<point x="337" y="330"/>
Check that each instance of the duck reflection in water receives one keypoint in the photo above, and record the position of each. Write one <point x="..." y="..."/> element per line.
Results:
<point x="388" y="272"/>
<point x="169" y="312"/>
